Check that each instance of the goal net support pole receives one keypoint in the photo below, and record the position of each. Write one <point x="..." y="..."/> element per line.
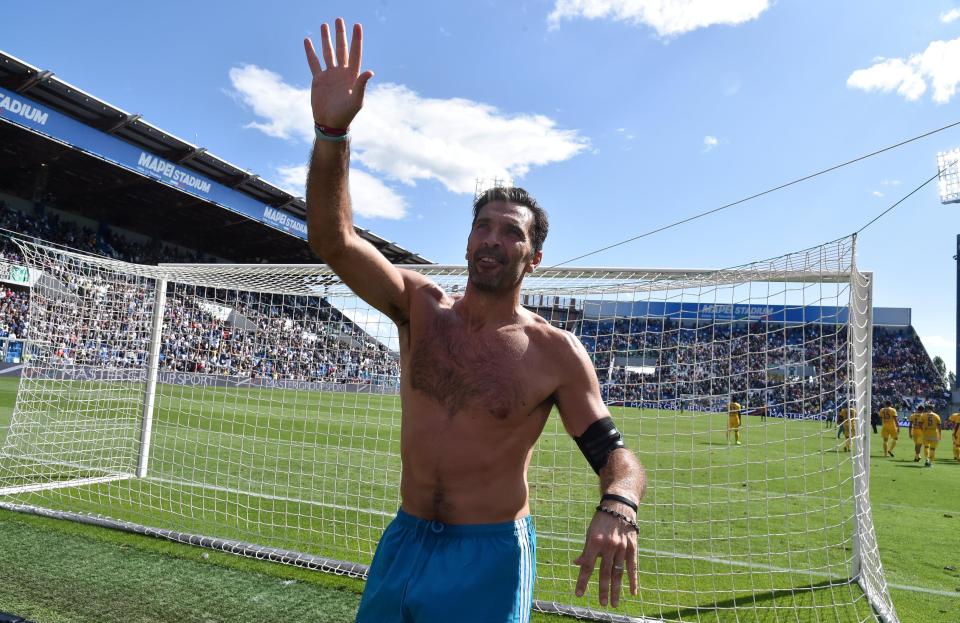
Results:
<point x="866" y="557"/>
<point x="153" y="363"/>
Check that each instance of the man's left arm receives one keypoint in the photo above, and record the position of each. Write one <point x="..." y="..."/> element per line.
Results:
<point x="611" y="539"/>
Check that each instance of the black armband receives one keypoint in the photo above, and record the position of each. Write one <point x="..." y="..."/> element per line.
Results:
<point x="598" y="441"/>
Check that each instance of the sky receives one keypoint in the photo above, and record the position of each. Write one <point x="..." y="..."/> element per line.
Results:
<point x="619" y="116"/>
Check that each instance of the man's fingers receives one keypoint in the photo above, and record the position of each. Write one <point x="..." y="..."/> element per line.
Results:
<point x="362" y="81"/>
<point x="606" y="568"/>
<point x="632" y="571"/>
<point x="356" y="47"/>
<point x="586" y="563"/>
<point x="616" y="580"/>
<point x="312" y="58"/>
<point x="326" y="47"/>
<point x="341" y="43"/>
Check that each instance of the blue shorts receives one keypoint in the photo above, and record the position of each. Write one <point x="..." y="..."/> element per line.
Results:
<point x="426" y="571"/>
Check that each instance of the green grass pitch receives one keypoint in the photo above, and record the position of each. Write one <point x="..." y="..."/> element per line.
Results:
<point x="275" y="479"/>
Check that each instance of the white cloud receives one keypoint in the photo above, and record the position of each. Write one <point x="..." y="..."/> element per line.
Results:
<point x="709" y="142"/>
<point x="890" y="182"/>
<point x="877" y="193"/>
<point x="374" y="199"/>
<point x="286" y="109"/>
<point x="668" y="17"/>
<point x="454" y="141"/>
<point x="371" y="198"/>
<point x="410" y="138"/>
<point x="938" y="67"/>
<point x="950" y="16"/>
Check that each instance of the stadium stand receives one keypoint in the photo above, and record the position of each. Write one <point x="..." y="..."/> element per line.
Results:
<point x="715" y="361"/>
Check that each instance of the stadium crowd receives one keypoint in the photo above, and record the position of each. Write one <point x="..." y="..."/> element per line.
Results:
<point x="13" y="313"/>
<point x="47" y="225"/>
<point x="795" y="370"/>
<point x="300" y="338"/>
<point x="265" y="336"/>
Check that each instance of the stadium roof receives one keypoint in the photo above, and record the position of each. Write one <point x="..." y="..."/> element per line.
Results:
<point x="108" y="190"/>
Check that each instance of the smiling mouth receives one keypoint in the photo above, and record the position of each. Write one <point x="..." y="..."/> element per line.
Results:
<point x="488" y="261"/>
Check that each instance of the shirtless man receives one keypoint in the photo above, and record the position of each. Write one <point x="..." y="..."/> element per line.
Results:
<point x="480" y="377"/>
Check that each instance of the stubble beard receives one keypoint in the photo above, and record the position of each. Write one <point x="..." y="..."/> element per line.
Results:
<point x="505" y="280"/>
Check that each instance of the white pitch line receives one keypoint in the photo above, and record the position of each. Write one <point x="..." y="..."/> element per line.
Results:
<point x="929" y="591"/>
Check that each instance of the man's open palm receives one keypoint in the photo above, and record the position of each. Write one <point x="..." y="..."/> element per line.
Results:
<point x="336" y="93"/>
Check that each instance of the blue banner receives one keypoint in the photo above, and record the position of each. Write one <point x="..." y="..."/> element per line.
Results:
<point x="14" y="352"/>
<point x="715" y="312"/>
<point x="22" y="111"/>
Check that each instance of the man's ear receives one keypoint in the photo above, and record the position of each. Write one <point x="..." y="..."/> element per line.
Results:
<point x="534" y="262"/>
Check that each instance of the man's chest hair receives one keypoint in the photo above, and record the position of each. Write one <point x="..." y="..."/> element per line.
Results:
<point x="491" y="370"/>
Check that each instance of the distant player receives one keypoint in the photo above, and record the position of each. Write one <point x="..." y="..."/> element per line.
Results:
<point x="733" y="420"/>
<point x="930" y="423"/>
<point x="845" y="417"/>
<point x="955" y="420"/>
<point x="916" y="433"/>
<point x="890" y="430"/>
<point x="762" y="412"/>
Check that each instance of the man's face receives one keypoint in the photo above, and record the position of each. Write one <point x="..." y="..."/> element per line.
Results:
<point x="499" y="247"/>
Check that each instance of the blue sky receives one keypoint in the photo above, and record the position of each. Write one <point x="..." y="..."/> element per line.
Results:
<point x="618" y="115"/>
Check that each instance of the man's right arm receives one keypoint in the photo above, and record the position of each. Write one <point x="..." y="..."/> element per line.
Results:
<point x="336" y="96"/>
<point x="331" y="235"/>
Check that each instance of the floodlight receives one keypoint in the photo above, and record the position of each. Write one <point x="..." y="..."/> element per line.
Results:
<point x="484" y="184"/>
<point x="949" y="176"/>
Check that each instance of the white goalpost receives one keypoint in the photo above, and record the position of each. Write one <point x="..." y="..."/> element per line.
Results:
<point x="255" y="409"/>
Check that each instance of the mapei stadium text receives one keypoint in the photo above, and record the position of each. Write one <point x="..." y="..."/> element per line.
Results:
<point x="168" y="170"/>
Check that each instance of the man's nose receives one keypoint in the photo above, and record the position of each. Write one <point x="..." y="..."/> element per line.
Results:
<point x="490" y="239"/>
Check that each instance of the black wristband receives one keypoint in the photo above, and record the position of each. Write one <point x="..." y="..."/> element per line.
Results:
<point x="619" y="498"/>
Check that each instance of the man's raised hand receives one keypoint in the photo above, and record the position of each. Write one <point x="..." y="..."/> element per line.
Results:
<point x="336" y="93"/>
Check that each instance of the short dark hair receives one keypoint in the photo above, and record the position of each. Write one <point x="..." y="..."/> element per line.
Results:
<point x="519" y="196"/>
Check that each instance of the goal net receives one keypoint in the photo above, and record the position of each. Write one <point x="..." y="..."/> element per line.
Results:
<point x="256" y="409"/>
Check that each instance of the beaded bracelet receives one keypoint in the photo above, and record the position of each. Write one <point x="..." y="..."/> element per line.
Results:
<point x="620" y="516"/>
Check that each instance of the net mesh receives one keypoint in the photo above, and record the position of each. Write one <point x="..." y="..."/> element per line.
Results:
<point x="275" y="422"/>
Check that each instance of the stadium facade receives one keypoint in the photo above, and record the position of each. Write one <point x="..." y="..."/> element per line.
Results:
<point x="64" y="147"/>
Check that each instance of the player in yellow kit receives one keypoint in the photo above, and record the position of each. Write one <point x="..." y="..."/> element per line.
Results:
<point x="916" y="433"/>
<point x="733" y="420"/>
<point x="891" y="428"/>
<point x="955" y="420"/>
<point x="847" y="416"/>
<point x="930" y="423"/>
